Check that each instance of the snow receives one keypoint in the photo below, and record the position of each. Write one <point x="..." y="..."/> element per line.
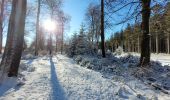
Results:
<point x="61" y="78"/>
<point x="161" y="57"/>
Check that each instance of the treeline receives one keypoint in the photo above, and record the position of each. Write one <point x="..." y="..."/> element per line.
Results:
<point x="130" y="37"/>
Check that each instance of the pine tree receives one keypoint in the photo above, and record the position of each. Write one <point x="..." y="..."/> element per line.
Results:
<point x="82" y="43"/>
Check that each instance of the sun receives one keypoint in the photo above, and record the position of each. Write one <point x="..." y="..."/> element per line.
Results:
<point x="49" y="25"/>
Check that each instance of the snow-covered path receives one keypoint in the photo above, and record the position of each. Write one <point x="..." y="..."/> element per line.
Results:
<point x="82" y="84"/>
<point x="37" y="83"/>
<point x="60" y="78"/>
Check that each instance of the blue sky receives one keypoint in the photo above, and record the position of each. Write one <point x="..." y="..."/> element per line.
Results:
<point x="76" y="9"/>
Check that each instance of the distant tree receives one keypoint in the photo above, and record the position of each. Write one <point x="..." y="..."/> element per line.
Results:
<point x="63" y="20"/>
<point x="71" y="50"/>
<point x="102" y="29"/>
<point x="167" y="25"/>
<point x="41" y="40"/>
<point x="92" y="19"/>
<point x="82" y="43"/>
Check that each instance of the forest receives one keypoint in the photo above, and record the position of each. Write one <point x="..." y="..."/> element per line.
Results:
<point x="84" y="49"/>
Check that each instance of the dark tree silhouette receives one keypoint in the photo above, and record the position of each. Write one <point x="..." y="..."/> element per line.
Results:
<point x="102" y="29"/>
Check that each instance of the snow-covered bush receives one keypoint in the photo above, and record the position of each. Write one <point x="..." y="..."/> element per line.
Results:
<point x="119" y="51"/>
<point x="31" y="69"/>
<point x="28" y="56"/>
<point x="109" y="53"/>
<point x="78" y="59"/>
<point x="43" y="52"/>
<point x="129" y="60"/>
<point x="99" y="53"/>
<point x="95" y="64"/>
<point x="84" y="62"/>
<point x="26" y="67"/>
<point x="23" y="66"/>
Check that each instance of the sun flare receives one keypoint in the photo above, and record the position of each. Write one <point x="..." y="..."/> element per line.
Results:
<point x="49" y="25"/>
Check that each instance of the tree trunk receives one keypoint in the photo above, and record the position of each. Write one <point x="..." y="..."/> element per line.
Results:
<point x="1" y="23"/>
<point x="37" y="29"/>
<point x="157" y="44"/>
<point x="168" y="51"/>
<point x="138" y="43"/>
<point x="19" y="36"/>
<point x="128" y="45"/>
<point x="56" y="45"/>
<point x="145" y="45"/>
<point x="62" y="32"/>
<point x="6" y="58"/>
<point x="102" y="29"/>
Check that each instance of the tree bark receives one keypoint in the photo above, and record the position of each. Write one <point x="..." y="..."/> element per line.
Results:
<point x="37" y="29"/>
<point x="102" y="29"/>
<point x="138" y="43"/>
<point x="168" y="51"/>
<point x="56" y="45"/>
<point x="128" y="45"/>
<point x="62" y="32"/>
<point x="1" y="23"/>
<point x="6" y="58"/>
<point x="145" y="45"/>
<point x="19" y="32"/>
<point x="157" y="44"/>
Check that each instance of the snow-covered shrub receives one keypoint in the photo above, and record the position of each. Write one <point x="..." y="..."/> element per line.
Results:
<point x="167" y="67"/>
<point x="84" y="62"/>
<point x="119" y="51"/>
<point x="95" y="64"/>
<point x="26" y="67"/>
<point x="43" y="52"/>
<point x="28" y="56"/>
<point x="78" y="59"/>
<point x="31" y="69"/>
<point x="99" y="53"/>
<point x="129" y="60"/>
<point x="23" y="66"/>
<point x="157" y="66"/>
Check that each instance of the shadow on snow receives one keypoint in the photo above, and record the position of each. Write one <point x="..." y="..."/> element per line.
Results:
<point x="11" y="82"/>
<point x="57" y="90"/>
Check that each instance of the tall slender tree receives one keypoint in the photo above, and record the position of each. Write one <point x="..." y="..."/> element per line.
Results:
<point x="37" y="28"/>
<point x="102" y="29"/>
<point x="1" y="23"/>
<point x="15" y="38"/>
<point x="145" y="45"/>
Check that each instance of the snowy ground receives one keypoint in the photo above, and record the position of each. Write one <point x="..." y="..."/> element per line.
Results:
<point x="60" y="78"/>
<point x="161" y="57"/>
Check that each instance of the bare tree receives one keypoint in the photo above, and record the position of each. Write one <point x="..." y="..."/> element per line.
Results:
<point x="37" y="28"/>
<point x="1" y="23"/>
<point x="93" y="22"/>
<point x="15" y="38"/>
<point x="102" y="29"/>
